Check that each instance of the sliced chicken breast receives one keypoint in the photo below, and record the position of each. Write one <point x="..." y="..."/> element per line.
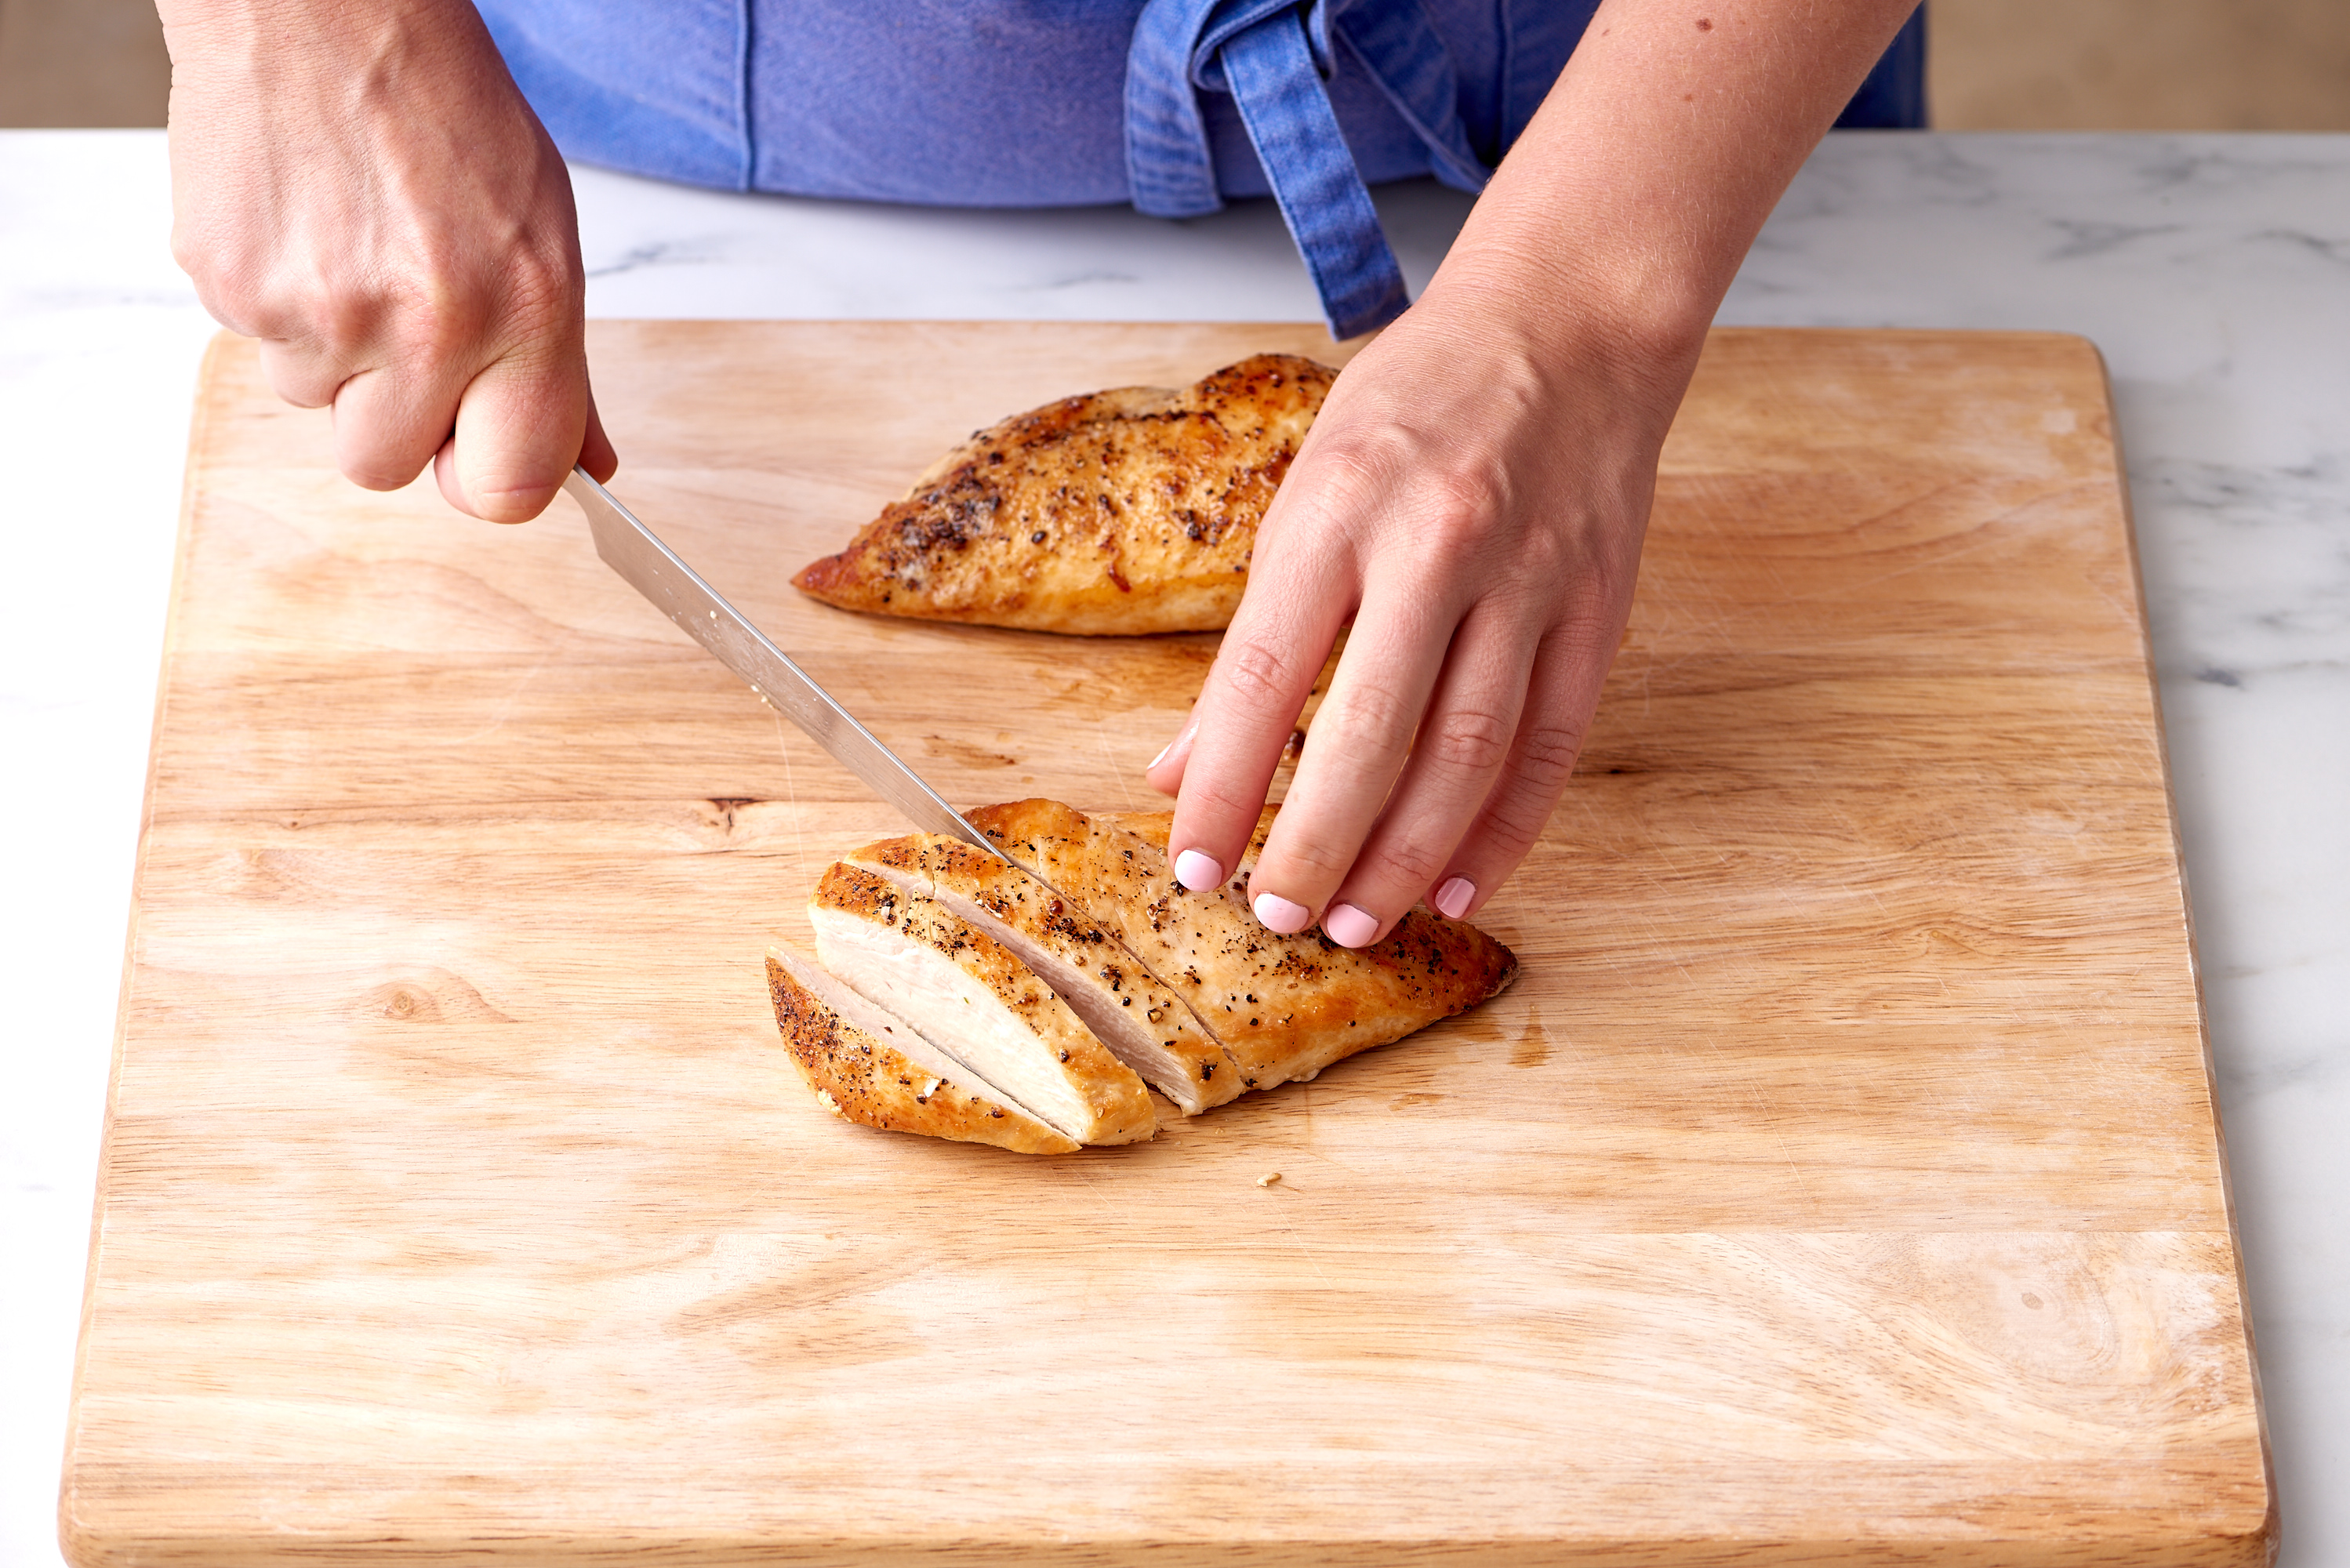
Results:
<point x="972" y="998"/>
<point x="1143" y="1024"/>
<point x="1282" y="1007"/>
<point x="1119" y="512"/>
<point x="872" y="1068"/>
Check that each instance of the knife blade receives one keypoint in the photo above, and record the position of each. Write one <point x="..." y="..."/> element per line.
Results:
<point x="678" y="591"/>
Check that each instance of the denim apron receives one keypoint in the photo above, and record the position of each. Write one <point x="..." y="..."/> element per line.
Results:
<point x="1175" y="105"/>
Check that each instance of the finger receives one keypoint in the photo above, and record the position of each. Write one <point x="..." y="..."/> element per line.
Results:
<point x="1462" y="744"/>
<point x="1272" y="653"/>
<point x="1361" y="738"/>
<point x="300" y="374"/>
<point x="1165" y="771"/>
<point x="390" y="421"/>
<point x="1561" y="696"/>
<point x="595" y="453"/>
<point x="522" y="423"/>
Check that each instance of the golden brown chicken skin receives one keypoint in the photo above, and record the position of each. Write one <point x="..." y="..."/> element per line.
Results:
<point x="867" y="1067"/>
<point x="1139" y="1019"/>
<point x="1284" y="1007"/>
<point x="1120" y="513"/>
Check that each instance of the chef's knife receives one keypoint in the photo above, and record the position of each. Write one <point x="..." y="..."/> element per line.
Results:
<point x="656" y="571"/>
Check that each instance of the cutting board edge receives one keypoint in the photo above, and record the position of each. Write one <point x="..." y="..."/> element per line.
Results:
<point x="89" y="1542"/>
<point x="2272" y="1532"/>
<point x="91" y="1547"/>
<point x="202" y="418"/>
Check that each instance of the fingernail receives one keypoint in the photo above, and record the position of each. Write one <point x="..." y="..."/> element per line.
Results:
<point x="1275" y="913"/>
<point x="1452" y="899"/>
<point x="1196" y="871"/>
<point x="1349" y="927"/>
<point x="1160" y="758"/>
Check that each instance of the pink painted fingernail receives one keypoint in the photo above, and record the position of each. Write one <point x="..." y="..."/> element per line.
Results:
<point x="1452" y="899"/>
<point x="1349" y="927"/>
<point x="1275" y="913"/>
<point x="1196" y="871"/>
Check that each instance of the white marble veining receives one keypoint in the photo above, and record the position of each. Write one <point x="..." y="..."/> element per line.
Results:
<point x="2214" y="272"/>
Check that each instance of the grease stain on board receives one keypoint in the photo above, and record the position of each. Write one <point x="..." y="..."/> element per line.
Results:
<point x="1531" y="1047"/>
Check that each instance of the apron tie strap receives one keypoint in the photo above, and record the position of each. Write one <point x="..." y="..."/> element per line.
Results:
<point x="1272" y="56"/>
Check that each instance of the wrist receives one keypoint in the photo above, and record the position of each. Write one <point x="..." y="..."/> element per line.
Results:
<point x="1593" y="319"/>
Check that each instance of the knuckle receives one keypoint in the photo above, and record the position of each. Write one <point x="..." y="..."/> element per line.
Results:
<point x="1551" y="563"/>
<point x="538" y="284"/>
<point x="1309" y="860"/>
<point x="1467" y="740"/>
<point x="1354" y="462"/>
<point x="1462" y="499"/>
<point x="193" y="255"/>
<point x="1412" y="862"/>
<point x="1373" y="714"/>
<point x="437" y="320"/>
<point x="1445" y="496"/>
<point x="1546" y="753"/>
<point x="319" y="300"/>
<point x="1512" y="826"/>
<point x="1518" y="813"/>
<point x="1216" y="806"/>
<point x="1258" y="670"/>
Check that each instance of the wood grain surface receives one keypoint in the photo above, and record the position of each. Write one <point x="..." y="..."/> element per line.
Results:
<point x="1840" y="1184"/>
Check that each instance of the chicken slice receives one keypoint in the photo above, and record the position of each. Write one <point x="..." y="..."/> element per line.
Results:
<point x="1123" y="512"/>
<point x="975" y="1000"/>
<point x="1143" y="1022"/>
<point x="871" y="1068"/>
<point x="1284" y="1007"/>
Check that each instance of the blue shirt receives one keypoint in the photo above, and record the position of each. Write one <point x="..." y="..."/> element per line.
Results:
<point x="1038" y="103"/>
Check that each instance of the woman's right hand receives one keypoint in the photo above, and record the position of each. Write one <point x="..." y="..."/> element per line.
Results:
<point x="364" y="188"/>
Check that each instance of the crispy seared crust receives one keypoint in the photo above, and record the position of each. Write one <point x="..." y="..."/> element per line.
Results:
<point x="860" y="1077"/>
<point x="1121" y="512"/>
<point x="1284" y="1007"/>
<point x="1157" y="826"/>
<point x="1117" y="1105"/>
<point x="1095" y="970"/>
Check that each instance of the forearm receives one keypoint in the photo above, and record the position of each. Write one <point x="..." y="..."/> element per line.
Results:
<point x="1629" y="201"/>
<point x="292" y="29"/>
<point x="299" y="58"/>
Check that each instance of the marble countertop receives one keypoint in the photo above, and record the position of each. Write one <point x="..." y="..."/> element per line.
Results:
<point x="2213" y="271"/>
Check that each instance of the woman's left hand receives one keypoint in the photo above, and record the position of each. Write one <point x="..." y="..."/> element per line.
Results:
<point x="1474" y="493"/>
<point x="1472" y="500"/>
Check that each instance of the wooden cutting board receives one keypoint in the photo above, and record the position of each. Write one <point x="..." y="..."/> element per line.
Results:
<point x="1841" y="1182"/>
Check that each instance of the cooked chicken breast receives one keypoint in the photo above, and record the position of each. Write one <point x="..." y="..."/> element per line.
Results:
<point x="1158" y="826"/>
<point x="971" y="997"/>
<point x="1143" y="1022"/>
<point x="869" y="1068"/>
<point x="1282" y="1007"/>
<point x="1121" y="512"/>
